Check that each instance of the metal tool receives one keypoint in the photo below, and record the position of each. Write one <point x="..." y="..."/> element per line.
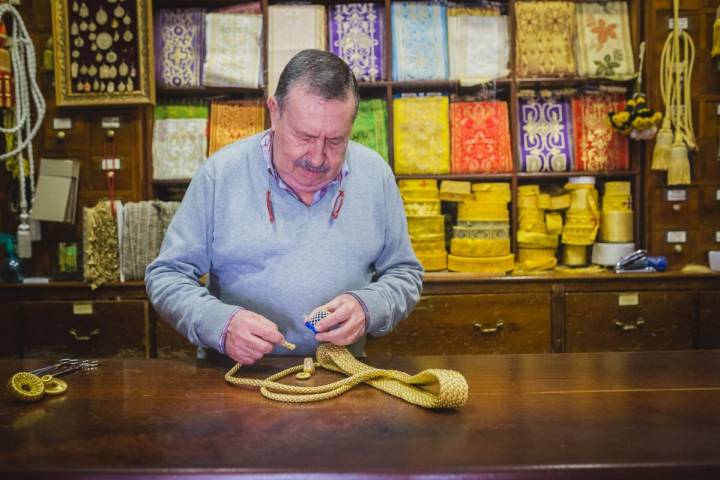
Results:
<point x="30" y="386"/>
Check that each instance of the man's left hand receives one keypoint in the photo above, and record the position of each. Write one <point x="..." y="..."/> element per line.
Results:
<point x="345" y="324"/>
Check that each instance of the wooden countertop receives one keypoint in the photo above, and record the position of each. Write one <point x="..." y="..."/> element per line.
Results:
<point x="601" y="415"/>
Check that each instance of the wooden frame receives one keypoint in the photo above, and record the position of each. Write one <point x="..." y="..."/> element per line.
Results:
<point x="85" y="41"/>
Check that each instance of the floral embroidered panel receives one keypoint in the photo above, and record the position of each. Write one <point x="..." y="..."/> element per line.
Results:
<point x="480" y="137"/>
<point x="179" y="140"/>
<point x="598" y="146"/>
<point x="357" y="36"/>
<point x="370" y="127"/>
<point x="233" y="50"/>
<point x="545" y="39"/>
<point x="421" y="135"/>
<point x="179" y="47"/>
<point x="469" y="27"/>
<point x="604" y="40"/>
<point x="232" y="120"/>
<point x="419" y="41"/>
<point x="545" y="134"/>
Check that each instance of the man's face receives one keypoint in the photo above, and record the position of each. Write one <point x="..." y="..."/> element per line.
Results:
<point x="310" y="138"/>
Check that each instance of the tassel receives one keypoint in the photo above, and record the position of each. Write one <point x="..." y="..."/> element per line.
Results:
<point x="663" y="143"/>
<point x="716" y="35"/>
<point x="24" y="242"/>
<point x="679" y="168"/>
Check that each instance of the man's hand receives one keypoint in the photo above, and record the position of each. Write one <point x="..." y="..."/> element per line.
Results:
<point x="250" y="337"/>
<point x="346" y="316"/>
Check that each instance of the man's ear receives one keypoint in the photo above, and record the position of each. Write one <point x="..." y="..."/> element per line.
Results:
<point x="274" y="109"/>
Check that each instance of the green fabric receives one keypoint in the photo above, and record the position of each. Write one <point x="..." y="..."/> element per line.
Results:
<point x="182" y="110"/>
<point x="370" y="127"/>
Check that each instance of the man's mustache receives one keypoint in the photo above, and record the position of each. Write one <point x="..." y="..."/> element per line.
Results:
<point x="304" y="163"/>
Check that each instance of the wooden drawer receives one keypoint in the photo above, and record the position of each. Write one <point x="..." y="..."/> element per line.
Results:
<point x="669" y="242"/>
<point x="464" y="324"/>
<point x="60" y="141"/>
<point x="674" y="207"/>
<point x="709" y="319"/>
<point x="170" y="344"/>
<point x="708" y="127"/>
<point x="123" y="127"/>
<point x="707" y="162"/>
<point x="10" y="330"/>
<point x="103" y="328"/>
<point x="618" y="321"/>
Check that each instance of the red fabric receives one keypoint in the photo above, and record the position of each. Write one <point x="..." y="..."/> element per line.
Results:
<point x="598" y="147"/>
<point x="480" y="137"/>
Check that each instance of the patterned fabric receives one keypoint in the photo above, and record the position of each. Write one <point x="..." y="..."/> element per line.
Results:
<point x="179" y="47"/>
<point x="100" y="245"/>
<point x="470" y="27"/>
<point x="604" y="40"/>
<point x="419" y="41"/>
<point x="144" y="225"/>
<point x="179" y="140"/>
<point x="421" y="135"/>
<point x="234" y="50"/>
<point x="370" y="127"/>
<point x="231" y="120"/>
<point x="480" y="137"/>
<point x="545" y="36"/>
<point x="357" y="32"/>
<point x="308" y="27"/>
<point x="545" y="135"/>
<point x="598" y="146"/>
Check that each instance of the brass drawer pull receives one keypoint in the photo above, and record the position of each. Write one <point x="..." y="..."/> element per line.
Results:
<point x="626" y="327"/>
<point x="83" y="338"/>
<point x="489" y="330"/>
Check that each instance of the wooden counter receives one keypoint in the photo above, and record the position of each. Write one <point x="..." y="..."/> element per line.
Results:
<point x="588" y="415"/>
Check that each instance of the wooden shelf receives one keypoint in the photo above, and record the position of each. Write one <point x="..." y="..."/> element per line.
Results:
<point x="440" y="84"/>
<point x="209" y="92"/>
<point x="611" y="174"/>
<point x="460" y="176"/>
<point x="554" y="82"/>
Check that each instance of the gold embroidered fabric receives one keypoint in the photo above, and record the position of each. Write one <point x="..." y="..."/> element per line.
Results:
<point x="469" y="27"/>
<point x="231" y="120"/>
<point x="100" y="245"/>
<point x="234" y="50"/>
<point x="422" y="135"/>
<point x="545" y="39"/>
<point x="604" y="40"/>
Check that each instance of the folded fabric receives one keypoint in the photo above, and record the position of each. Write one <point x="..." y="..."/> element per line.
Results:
<point x="370" y="127"/>
<point x="179" y="47"/>
<point x="357" y="32"/>
<point x="234" y="50"/>
<point x="419" y="41"/>
<point x="144" y="225"/>
<point x="421" y="135"/>
<point x="545" y="134"/>
<point x="545" y="38"/>
<point x="469" y="27"/>
<point x="100" y="245"/>
<point x="292" y="28"/>
<point x="231" y="120"/>
<point x="604" y="40"/>
<point x="179" y="140"/>
<point x="598" y="146"/>
<point x="480" y="137"/>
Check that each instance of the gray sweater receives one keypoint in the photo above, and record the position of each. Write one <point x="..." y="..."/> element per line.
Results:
<point x="283" y="269"/>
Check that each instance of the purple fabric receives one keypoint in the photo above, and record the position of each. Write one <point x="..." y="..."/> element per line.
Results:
<point x="357" y="35"/>
<point x="179" y="47"/>
<point x="545" y="134"/>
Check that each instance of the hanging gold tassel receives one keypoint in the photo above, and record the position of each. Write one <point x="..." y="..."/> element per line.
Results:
<point x="679" y="168"/>
<point x="716" y="35"/>
<point x="663" y="142"/>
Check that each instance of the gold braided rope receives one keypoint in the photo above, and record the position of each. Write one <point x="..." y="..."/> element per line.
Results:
<point x="452" y="387"/>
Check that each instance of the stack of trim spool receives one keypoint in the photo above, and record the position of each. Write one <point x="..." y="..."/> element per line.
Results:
<point x="539" y="227"/>
<point x="426" y="225"/>
<point x="582" y="221"/>
<point x="616" y="225"/>
<point x="481" y="238"/>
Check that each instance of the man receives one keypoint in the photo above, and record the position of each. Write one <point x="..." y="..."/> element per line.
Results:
<point x="285" y="221"/>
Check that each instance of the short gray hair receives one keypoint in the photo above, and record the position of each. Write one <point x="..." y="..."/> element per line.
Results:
<point x="323" y="73"/>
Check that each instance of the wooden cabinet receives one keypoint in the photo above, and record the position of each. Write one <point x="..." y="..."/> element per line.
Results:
<point x="610" y="321"/>
<point x="105" y="328"/>
<point x="10" y="340"/>
<point x="709" y="319"/>
<point x="170" y="344"/>
<point x="483" y="323"/>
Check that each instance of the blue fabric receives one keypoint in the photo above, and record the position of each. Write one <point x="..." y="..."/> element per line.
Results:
<point x="419" y="41"/>
<point x="283" y="270"/>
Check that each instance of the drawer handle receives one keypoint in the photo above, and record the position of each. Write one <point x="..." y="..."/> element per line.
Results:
<point x="626" y="327"/>
<point x="83" y="338"/>
<point x="489" y="330"/>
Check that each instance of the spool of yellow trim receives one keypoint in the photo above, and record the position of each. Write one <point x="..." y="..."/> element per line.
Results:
<point x="536" y="240"/>
<point x="531" y="220"/>
<point x="559" y="202"/>
<point x="617" y="188"/>
<point x="481" y="265"/>
<point x="616" y="227"/>
<point x="553" y="223"/>
<point x="422" y="207"/>
<point x="536" y="258"/>
<point x="493" y="192"/>
<point x="544" y="201"/>
<point x="497" y="187"/>
<point x="528" y="190"/>
<point x="427" y="184"/>
<point x="455" y="191"/>
<point x="528" y="201"/>
<point x="478" y="247"/>
<point x="413" y="195"/>
<point x="575" y="255"/>
<point x="428" y="243"/>
<point x="433" y="261"/>
<point x="483" y="212"/>
<point x="425" y="224"/>
<point x="617" y="202"/>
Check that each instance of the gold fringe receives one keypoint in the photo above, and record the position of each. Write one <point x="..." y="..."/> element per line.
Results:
<point x="663" y="142"/>
<point x="679" y="168"/>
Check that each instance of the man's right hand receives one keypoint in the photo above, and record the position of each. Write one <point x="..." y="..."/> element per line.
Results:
<point x="250" y="337"/>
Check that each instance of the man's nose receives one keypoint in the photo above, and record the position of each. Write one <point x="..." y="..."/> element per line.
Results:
<point x="316" y="155"/>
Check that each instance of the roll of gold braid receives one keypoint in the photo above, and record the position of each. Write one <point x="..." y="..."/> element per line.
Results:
<point x="537" y="240"/>
<point x="452" y="388"/>
<point x="616" y="226"/>
<point x="553" y="223"/>
<point x="426" y="224"/>
<point x="428" y="243"/>
<point x="26" y="387"/>
<point x="494" y="265"/>
<point x="575" y="255"/>
<point x="433" y="261"/>
<point x="536" y="258"/>
<point x="480" y="247"/>
<point x="617" y="188"/>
